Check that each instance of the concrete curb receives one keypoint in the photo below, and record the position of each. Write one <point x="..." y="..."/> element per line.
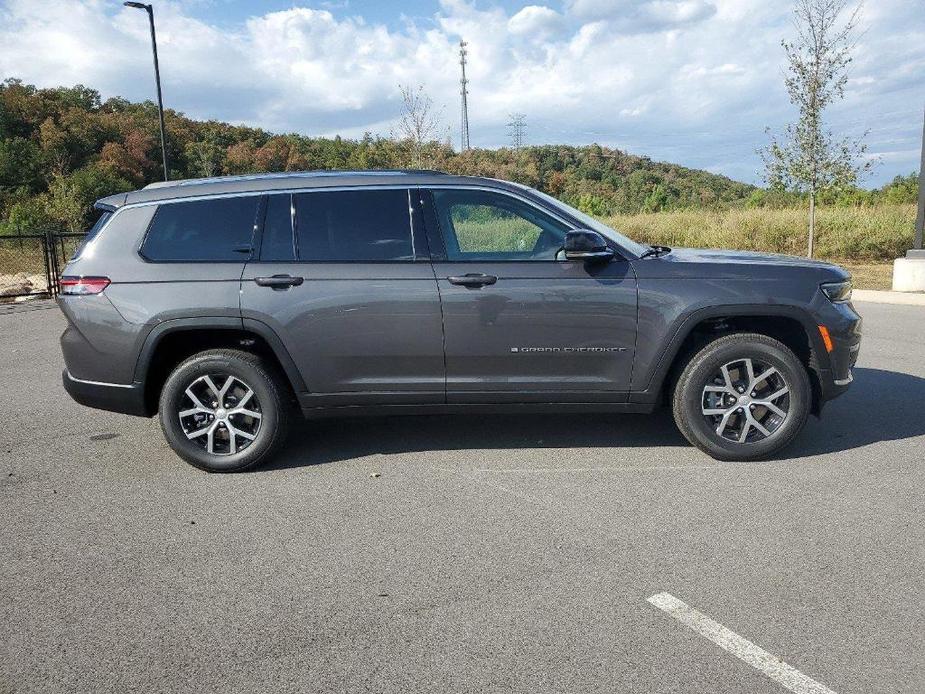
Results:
<point x="881" y="297"/>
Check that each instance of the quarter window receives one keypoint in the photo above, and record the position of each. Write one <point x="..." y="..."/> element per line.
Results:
<point x="482" y="225"/>
<point x="216" y="230"/>
<point x="354" y="225"/>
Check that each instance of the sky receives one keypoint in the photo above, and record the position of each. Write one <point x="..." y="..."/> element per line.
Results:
<point x="693" y="82"/>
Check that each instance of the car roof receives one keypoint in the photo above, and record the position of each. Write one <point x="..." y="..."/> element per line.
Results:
<point x="292" y="180"/>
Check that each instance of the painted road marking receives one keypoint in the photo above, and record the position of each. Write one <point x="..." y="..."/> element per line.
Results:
<point x="650" y="468"/>
<point x="741" y="648"/>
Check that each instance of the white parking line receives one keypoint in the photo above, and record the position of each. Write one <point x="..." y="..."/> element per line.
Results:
<point x="741" y="648"/>
<point x="649" y="468"/>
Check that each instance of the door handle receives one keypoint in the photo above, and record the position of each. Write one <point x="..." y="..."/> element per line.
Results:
<point x="473" y="279"/>
<point x="279" y="281"/>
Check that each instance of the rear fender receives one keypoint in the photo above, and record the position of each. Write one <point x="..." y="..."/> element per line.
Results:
<point x="146" y="354"/>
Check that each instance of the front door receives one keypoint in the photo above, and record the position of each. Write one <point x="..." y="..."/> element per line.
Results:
<point x="521" y="324"/>
<point x="341" y="278"/>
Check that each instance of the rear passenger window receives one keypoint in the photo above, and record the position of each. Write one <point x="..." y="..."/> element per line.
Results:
<point x="277" y="243"/>
<point x="217" y="230"/>
<point x="354" y="225"/>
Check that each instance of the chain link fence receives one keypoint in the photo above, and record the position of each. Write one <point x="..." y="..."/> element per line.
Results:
<point x="31" y="263"/>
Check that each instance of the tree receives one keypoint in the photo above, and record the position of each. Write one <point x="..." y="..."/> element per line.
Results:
<point x="809" y="158"/>
<point x="204" y="158"/>
<point x="902" y="190"/>
<point x="20" y="164"/>
<point x="129" y="159"/>
<point x="71" y="196"/>
<point x="27" y="215"/>
<point x="240" y="158"/>
<point x="419" y="124"/>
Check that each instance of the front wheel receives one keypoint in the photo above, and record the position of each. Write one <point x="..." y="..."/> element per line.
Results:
<point x="224" y="410"/>
<point x="742" y="397"/>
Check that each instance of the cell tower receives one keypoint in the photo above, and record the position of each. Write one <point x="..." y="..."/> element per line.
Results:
<point x="464" y="125"/>
<point x="516" y="128"/>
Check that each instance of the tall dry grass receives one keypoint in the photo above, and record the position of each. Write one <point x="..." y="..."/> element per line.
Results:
<point x="875" y="233"/>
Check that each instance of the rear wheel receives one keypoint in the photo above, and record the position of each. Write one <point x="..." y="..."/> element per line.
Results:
<point x="742" y="397"/>
<point x="224" y="410"/>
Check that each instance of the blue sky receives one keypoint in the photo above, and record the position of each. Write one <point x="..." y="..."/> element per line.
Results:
<point x="694" y="82"/>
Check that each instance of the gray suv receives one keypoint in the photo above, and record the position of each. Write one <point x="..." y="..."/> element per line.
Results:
<point x="229" y="305"/>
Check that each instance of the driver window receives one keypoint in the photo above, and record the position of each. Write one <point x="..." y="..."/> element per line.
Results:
<point x="482" y="225"/>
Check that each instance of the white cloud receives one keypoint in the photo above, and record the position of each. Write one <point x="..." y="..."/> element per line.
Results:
<point x="643" y="15"/>
<point x="689" y="81"/>
<point x="536" y="21"/>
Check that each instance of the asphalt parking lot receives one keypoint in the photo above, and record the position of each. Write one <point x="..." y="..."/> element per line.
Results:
<point x="501" y="553"/>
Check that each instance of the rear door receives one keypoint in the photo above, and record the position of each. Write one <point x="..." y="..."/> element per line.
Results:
<point x="521" y="323"/>
<point x="344" y="279"/>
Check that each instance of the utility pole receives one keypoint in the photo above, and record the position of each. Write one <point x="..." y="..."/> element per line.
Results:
<point x="463" y="91"/>
<point x="920" y="217"/>
<point x="516" y="129"/>
<point x="157" y="77"/>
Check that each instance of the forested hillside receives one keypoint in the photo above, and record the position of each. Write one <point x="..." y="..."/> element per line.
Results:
<point x="60" y="149"/>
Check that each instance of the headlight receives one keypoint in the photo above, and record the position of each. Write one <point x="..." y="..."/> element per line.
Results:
<point x="838" y="292"/>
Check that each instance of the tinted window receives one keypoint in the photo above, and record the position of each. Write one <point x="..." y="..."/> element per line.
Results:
<point x="481" y="225"/>
<point x="205" y="230"/>
<point x="277" y="243"/>
<point x="353" y="225"/>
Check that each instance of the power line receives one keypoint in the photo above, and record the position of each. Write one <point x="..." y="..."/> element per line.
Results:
<point x="516" y="129"/>
<point x="463" y="92"/>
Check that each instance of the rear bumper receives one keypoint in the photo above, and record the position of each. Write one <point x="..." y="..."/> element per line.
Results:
<point x="115" y="397"/>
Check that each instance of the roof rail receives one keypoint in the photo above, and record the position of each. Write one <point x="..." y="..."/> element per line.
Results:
<point x="294" y="174"/>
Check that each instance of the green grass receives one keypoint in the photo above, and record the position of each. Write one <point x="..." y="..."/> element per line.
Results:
<point x="868" y="275"/>
<point x="861" y="234"/>
<point x="864" y="240"/>
<point x="498" y="235"/>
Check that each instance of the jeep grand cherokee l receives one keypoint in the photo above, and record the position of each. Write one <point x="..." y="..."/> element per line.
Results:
<point x="228" y="306"/>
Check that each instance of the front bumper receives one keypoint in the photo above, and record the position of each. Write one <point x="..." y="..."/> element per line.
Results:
<point x="115" y="397"/>
<point x="846" y="342"/>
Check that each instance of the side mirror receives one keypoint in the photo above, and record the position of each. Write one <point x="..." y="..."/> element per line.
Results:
<point x="584" y="244"/>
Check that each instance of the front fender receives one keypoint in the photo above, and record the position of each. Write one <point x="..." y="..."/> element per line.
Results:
<point x="649" y="375"/>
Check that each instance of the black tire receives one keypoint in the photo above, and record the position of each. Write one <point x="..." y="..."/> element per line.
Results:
<point x="271" y="400"/>
<point x="689" y="398"/>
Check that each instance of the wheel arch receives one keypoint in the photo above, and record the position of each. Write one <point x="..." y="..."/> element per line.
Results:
<point x="172" y="341"/>
<point x="792" y="325"/>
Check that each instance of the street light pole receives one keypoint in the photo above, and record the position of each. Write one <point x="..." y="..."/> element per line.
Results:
<point x="157" y="78"/>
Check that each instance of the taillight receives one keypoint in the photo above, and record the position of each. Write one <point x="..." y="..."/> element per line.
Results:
<point x="82" y="285"/>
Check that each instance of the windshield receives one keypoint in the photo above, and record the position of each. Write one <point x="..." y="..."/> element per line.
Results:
<point x="593" y="224"/>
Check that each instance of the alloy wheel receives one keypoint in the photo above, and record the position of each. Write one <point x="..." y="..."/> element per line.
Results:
<point x="223" y="420"/>
<point x="746" y="401"/>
